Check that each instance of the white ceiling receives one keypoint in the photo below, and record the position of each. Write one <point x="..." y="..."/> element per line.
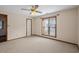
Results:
<point x="44" y="8"/>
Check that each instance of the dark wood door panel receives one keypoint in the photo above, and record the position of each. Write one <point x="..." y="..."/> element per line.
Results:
<point x="3" y="27"/>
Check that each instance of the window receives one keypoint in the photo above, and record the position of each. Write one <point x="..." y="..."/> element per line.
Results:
<point x="49" y="26"/>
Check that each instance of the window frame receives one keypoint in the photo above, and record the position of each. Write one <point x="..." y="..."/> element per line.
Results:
<point x="48" y="27"/>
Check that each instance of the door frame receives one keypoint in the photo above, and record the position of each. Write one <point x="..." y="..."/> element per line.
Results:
<point x="6" y="25"/>
<point x="26" y="25"/>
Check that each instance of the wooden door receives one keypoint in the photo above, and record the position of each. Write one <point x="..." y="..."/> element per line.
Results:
<point x="3" y="28"/>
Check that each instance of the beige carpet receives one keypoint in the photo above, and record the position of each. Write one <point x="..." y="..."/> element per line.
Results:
<point x="36" y="45"/>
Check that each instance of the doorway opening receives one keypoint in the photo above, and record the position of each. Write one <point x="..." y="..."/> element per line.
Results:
<point x="28" y="27"/>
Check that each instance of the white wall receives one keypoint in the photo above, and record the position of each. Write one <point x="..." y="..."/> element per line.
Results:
<point x="66" y="25"/>
<point x="78" y="26"/>
<point x="36" y="26"/>
<point x="16" y="25"/>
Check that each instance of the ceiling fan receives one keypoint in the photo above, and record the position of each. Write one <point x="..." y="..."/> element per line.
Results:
<point x="33" y="9"/>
